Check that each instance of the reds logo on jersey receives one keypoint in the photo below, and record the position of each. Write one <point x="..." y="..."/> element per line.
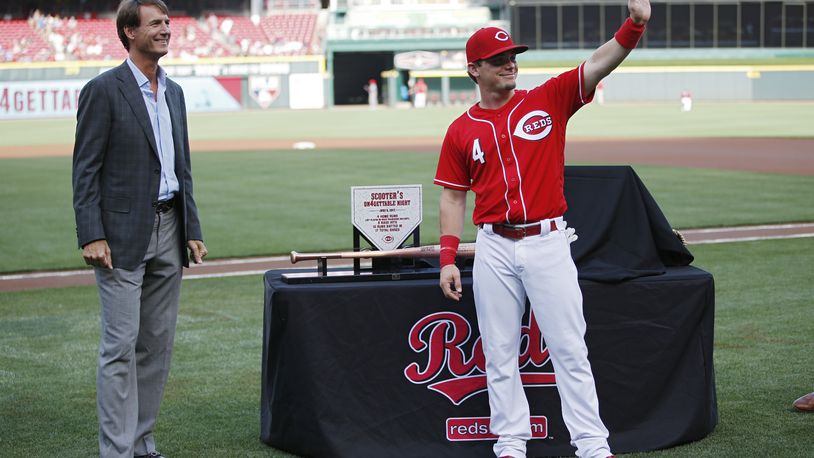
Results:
<point x="535" y="125"/>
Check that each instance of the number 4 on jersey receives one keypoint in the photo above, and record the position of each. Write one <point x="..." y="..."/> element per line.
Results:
<point x="477" y="153"/>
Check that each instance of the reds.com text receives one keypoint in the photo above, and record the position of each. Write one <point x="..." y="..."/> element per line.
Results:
<point x="477" y="429"/>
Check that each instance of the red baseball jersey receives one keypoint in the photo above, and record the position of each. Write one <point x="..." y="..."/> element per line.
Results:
<point x="513" y="158"/>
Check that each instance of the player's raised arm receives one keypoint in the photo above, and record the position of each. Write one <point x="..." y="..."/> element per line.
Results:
<point x="608" y="56"/>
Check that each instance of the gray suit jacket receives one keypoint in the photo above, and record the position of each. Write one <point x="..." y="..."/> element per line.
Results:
<point x="116" y="169"/>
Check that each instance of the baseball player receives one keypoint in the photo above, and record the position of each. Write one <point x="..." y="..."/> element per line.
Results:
<point x="509" y="150"/>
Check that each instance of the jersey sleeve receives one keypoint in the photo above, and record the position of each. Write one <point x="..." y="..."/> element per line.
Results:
<point x="570" y="86"/>
<point x="452" y="171"/>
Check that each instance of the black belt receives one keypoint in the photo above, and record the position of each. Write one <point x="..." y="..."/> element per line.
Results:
<point x="163" y="206"/>
<point x="513" y="232"/>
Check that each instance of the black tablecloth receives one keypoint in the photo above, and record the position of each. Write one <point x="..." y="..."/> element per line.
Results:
<point x="622" y="232"/>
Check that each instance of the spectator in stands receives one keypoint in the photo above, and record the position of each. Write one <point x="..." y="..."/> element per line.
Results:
<point x="244" y="46"/>
<point x="226" y="26"/>
<point x="72" y="47"/>
<point x="212" y="21"/>
<point x="189" y="33"/>
<point x="95" y="48"/>
<point x="37" y="20"/>
<point x="57" y="42"/>
<point x="18" y="47"/>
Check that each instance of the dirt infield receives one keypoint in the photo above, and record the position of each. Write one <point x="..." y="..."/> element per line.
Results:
<point x="771" y="155"/>
<point x="790" y="156"/>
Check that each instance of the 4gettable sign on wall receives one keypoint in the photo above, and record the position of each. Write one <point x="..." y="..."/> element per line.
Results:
<point x="451" y="363"/>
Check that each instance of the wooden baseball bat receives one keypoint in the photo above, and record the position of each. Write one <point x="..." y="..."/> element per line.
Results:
<point x="466" y="250"/>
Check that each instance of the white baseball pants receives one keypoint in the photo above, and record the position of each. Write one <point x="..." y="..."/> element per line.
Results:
<point x="504" y="272"/>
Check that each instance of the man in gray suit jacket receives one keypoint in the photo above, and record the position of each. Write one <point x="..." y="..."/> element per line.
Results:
<point x="135" y="218"/>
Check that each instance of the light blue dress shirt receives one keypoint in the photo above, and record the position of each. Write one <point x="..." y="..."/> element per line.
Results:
<point x="159" y="113"/>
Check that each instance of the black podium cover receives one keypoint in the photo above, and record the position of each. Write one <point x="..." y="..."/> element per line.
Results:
<point x="394" y="369"/>
<point x="622" y="232"/>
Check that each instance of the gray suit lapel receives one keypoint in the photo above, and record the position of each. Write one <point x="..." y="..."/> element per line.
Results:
<point x="131" y="92"/>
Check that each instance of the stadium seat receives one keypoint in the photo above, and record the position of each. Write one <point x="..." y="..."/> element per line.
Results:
<point x="285" y="33"/>
<point x="20" y="43"/>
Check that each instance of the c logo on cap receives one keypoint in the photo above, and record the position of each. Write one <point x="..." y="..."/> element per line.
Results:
<point x="502" y="36"/>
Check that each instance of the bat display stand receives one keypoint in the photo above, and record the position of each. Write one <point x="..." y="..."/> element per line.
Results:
<point x="385" y="265"/>
<point x="381" y="268"/>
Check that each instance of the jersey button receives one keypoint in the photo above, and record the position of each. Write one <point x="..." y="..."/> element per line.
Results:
<point x="502" y="135"/>
<point x="514" y="202"/>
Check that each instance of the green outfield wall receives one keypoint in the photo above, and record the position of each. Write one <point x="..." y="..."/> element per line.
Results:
<point x="656" y="84"/>
<point x="737" y="74"/>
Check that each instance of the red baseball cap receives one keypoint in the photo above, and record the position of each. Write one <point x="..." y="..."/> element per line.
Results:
<point x="490" y="41"/>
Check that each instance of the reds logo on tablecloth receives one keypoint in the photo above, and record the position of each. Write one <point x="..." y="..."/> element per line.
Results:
<point x="535" y="125"/>
<point x="455" y="367"/>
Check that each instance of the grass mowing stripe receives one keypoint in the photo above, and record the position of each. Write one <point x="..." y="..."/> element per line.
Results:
<point x="708" y="198"/>
<point x="48" y="348"/>
<point x="614" y="120"/>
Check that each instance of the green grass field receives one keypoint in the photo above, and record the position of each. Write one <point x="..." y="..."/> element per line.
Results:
<point x="260" y="203"/>
<point x="48" y="344"/>
<point x="264" y="203"/>
<point x="269" y="203"/>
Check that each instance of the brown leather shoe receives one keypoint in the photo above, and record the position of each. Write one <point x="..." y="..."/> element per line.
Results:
<point x="805" y="403"/>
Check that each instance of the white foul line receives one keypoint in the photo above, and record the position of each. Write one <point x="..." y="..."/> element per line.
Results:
<point x="750" y="239"/>
<point x="188" y="275"/>
<point x="748" y="228"/>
